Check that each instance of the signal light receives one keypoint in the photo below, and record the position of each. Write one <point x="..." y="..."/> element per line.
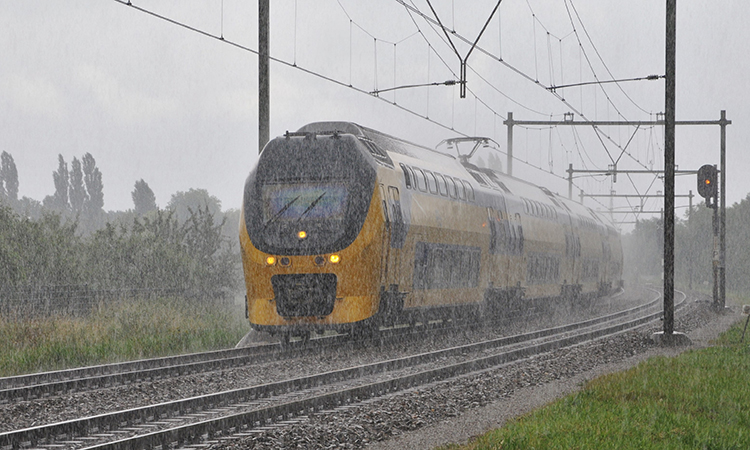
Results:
<point x="707" y="185"/>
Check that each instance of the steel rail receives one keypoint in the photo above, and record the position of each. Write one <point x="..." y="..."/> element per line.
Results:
<point x="47" y="384"/>
<point x="238" y="423"/>
<point x="105" y="423"/>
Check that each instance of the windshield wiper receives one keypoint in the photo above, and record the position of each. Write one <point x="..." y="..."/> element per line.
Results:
<point x="281" y="211"/>
<point x="309" y="208"/>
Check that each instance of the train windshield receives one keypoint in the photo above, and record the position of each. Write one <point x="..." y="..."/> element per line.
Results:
<point x="308" y="196"/>
<point x="303" y="202"/>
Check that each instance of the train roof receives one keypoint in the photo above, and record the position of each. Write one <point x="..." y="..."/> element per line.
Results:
<point x="429" y="157"/>
<point x="385" y="141"/>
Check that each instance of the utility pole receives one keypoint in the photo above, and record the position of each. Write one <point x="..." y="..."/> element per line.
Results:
<point x="264" y="77"/>
<point x="690" y="242"/>
<point x="669" y="141"/>
<point x="723" y="221"/>
<point x="509" y="163"/>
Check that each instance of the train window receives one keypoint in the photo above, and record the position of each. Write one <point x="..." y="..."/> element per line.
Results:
<point x="480" y="178"/>
<point x="451" y="186"/>
<point x="407" y="176"/>
<point x="460" y="189"/>
<point x="441" y="184"/>
<point x="469" y="191"/>
<point x="431" y="182"/>
<point x="421" y="180"/>
<point x="526" y="206"/>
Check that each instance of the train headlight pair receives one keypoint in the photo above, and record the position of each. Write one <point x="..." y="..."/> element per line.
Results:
<point x="319" y="260"/>
<point x="284" y="261"/>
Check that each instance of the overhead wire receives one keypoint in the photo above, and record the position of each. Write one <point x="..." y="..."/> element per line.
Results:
<point x="583" y="26"/>
<point x="282" y="62"/>
<point x="330" y="79"/>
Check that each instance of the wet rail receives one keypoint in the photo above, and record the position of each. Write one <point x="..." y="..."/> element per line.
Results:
<point x="238" y="412"/>
<point x="55" y="383"/>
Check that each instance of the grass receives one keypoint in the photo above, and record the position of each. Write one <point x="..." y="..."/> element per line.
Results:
<point x="120" y="331"/>
<point x="698" y="400"/>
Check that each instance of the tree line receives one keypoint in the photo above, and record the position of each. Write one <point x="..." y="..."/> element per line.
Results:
<point x="68" y="239"/>
<point x="694" y="247"/>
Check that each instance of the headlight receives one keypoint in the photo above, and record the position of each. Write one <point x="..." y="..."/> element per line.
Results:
<point x="271" y="260"/>
<point x="335" y="259"/>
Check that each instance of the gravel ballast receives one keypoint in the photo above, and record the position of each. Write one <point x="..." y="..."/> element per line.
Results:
<point x="457" y="410"/>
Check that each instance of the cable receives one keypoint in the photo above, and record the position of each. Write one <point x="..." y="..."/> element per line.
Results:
<point x="280" y="61"/>
<point x="602" y="59"/>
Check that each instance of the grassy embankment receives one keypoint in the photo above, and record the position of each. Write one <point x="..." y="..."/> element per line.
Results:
<point x="698" y="400"/>
<point x="123" y="330"/>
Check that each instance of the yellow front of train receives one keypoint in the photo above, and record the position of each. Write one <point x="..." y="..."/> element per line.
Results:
<point x="311" y="235"/>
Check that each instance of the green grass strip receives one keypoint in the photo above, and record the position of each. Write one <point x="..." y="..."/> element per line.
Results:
<point x="120" y="331"/>
<point x="697" y="400"/>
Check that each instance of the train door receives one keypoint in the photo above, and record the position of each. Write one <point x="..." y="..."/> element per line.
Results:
<point x="516" y="261"/>
<point x="397" y="235"/>
<point x="386" y="244"/>
<point x="499" y="246"/>
<point x="570" y="273"/>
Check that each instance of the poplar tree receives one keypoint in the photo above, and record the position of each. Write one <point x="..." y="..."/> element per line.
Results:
<point x="76" y="190"/>
<point x="60" y="177"/>
<point x="144" y="199"/>
<point x="94" y="186"/>
<point x="8" y="177"/>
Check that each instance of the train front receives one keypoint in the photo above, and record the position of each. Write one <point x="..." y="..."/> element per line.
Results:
<point x="311" y="235"/>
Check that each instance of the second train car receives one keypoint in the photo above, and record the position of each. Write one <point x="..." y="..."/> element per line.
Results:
<point x="344" y="227"/>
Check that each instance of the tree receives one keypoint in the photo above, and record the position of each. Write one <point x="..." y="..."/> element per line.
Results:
<point x="94" y="186"/>
<point x="182" y="202"/>
<point x="8" y="177"/>
<point x="76" y="190"/>
<point x="143" y="198"/>
<point x="59" y="201"/>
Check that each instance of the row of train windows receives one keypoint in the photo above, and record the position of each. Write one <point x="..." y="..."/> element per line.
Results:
<point x="440" y="266"/>
<point x="587" y="223"/>
<point x="505" y="237"/>
<point x="542" y="269"/>
<point x="534" y="208"/>
<point x="590" y="270"/>
<point x="437" y="183"/>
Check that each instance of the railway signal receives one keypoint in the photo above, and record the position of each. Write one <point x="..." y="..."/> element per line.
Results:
<point x="707" y="184"/>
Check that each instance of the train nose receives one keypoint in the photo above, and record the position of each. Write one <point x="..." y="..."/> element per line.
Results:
<point x="304" y="295"/>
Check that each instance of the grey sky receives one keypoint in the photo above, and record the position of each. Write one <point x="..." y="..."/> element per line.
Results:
<point x="155" y="101"/>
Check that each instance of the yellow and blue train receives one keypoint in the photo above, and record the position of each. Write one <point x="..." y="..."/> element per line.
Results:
<point x="344" y="227"/>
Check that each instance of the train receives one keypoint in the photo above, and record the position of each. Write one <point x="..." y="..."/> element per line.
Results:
<point x="346" y="228"/>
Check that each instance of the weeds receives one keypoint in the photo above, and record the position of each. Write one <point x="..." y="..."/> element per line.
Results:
<point x="120" y="331"/>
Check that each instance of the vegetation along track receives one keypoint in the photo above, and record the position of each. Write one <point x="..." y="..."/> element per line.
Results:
<point x="54" y="383"/>
<point x="240" y="411"/>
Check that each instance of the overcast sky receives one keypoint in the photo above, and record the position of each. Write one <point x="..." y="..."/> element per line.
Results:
<point x="149" y="99"/>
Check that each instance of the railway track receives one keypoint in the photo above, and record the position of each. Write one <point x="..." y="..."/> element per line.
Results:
<point x="55" y="383"/>
<point x="63" y="382"/>
<point x="244" y="411"/>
